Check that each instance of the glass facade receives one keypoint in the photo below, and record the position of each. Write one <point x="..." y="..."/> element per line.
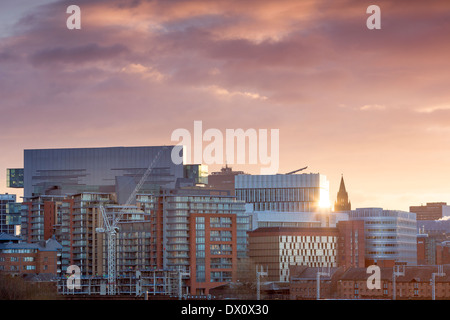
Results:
<point x="389" y="234"/>
<point x="72" y="171"/>
<point x="283" y="193"/>
<point x="197" y="172"/>
<point x="14" y="178"/>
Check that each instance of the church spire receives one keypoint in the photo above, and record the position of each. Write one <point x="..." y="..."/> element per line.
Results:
<point x="342" y="186"/>
<point x="342" y="203"/>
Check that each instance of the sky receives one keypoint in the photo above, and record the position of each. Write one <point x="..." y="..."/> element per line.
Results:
<point x="371" y="105"/>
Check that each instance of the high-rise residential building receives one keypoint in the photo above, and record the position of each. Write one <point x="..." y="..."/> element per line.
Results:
<point x="103" y="170"/>
<point x="10" y="214"/>
<point x="199" y="231"/>
<point x="342" y="203"/>
<point x="432" y="211"/>
<point x="173" y="224"/>
<point x="284" y="192"/>
<point x="177" y="229"/>
<point x="390" y="235"/>
<point x="38" y="217"/>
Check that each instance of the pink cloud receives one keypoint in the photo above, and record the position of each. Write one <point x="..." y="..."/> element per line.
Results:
<point x="139" y="69"/>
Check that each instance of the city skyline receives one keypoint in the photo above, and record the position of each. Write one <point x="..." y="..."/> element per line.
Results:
<point x="369" y="104"/>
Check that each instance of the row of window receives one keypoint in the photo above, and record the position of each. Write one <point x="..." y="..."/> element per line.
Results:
<point x="277" y="194"/>
<point x="17" y="268"/>
<point x="215" y="276"/>
<point x="17" y="259"/>
<point x="18" y="251"/>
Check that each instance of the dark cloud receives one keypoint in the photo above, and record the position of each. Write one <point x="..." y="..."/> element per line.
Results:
<point x="77" y="55"/>
<point x="343" y="96"/>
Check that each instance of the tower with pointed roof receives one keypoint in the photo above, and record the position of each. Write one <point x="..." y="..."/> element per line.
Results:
<point x="342" y="203"/>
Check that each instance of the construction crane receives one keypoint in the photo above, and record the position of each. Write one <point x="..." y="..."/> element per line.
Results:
<point x="110" y="227"/>
<point x="292" y="172"/>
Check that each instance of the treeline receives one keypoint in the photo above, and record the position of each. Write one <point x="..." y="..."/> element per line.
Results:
<point x="16" y="288"/>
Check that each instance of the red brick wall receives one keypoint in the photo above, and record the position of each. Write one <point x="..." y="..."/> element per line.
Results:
<point x="207" y="285"/>
<point x="347" y="250"/>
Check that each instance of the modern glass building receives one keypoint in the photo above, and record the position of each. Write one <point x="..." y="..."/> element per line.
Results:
<point x="284" y="192"/>
<point x="390" y="235"/>
<point x="14" y="178"/>
<point x="72" y="171"/>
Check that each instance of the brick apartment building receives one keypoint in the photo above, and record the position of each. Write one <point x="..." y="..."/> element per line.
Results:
<point x="303" y="282"/>
<point x="17" y="257"/>
<point x="213" y="251"/>
<point x="414" y="284"/>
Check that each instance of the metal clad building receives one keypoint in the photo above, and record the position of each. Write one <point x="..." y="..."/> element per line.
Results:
<point x="71" y="171"/>
<point x="287" y="193"/>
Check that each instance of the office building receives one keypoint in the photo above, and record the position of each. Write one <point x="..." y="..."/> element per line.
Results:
<point x="14" y="178"/>
<point x="278" y="248"/>
<point x="284" y="192"/>
<point x="267" y="219"/>
<point x="390" y="235"/>
<point x="323" y="247"/>
<point x="262" y="219"/>
<point x="102" y="170"/>
<point x="432" y="211"/>
<point x="198" y="173"/>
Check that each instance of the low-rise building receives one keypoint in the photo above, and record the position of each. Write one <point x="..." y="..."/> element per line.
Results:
<point x="415" y="282"/>
<point x="17" y="257"/>
<point x="303" y="282"/>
